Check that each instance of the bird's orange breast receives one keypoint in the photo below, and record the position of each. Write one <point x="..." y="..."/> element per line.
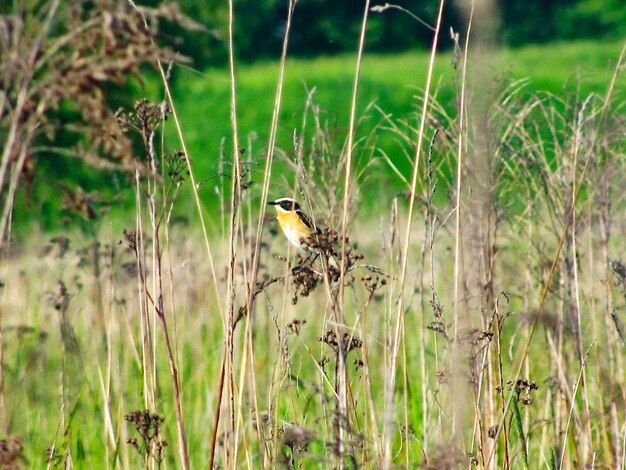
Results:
<point x="293" y="227"/>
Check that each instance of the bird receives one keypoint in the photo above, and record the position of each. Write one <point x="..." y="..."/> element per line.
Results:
<point x="295" y="224"/>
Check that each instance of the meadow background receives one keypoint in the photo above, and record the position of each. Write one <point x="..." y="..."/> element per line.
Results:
<point x="465" y="307"/>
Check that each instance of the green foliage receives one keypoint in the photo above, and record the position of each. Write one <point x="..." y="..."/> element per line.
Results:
<point x="592" y="18"/>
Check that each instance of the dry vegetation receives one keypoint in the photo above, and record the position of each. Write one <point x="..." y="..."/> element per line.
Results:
<point x="475" y="320"/>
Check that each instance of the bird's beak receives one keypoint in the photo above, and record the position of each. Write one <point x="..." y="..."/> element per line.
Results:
<point x="272" y="203"/>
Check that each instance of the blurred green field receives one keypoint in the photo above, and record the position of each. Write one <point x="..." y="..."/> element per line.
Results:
<point x="390" y="81"/>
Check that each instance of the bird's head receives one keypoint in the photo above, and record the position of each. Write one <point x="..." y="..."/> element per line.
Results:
<point x="285" y="204"/>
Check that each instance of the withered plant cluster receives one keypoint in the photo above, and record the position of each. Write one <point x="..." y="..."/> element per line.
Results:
<point x="150" y="445"/>
<point x="60" y="63"/>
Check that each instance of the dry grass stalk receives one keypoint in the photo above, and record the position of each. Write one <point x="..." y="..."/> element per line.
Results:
<point x="339" y="319"/>
<point x="398" y="329"/>
<point x="251" y="281"/>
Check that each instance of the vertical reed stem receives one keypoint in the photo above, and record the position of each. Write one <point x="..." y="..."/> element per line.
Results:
<point x="398" y="328"/>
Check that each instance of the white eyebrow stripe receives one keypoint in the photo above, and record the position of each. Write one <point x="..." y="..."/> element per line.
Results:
<point x="284" y="199"/>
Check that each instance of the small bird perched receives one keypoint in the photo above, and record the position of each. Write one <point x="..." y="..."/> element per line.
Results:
<point x="296" y="225"/>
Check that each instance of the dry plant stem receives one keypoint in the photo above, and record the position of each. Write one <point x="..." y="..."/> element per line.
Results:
<point x="168" y="93"/>
<point x="148" y="142"/>
<point x="613" y="347"/>
<point x="158" y="307"/>
<point x="526" y="293"/>
<point x="231" y="447"/>
<point x="182" y="436"/>
<point x="194" y="184"/>
<point x="368" y="388"/>
<point x="498" y="329"/>
<point x="462" y="139"/>
<point x="170" y="267"/>
<point x="342" y="379"/>
<point x="160" y="310"/>
<point x="194" y="187"/>
<point x="218" y="409"/>
<point x="256" y="251"/>
<point x="349" y="152"/>
<point x="546" y="288"/>
<point x="459" y="167"/>
<point x="586" y="436"/>
<point x="4" y="424"/>
<point x="390" y="385"/>
<point x="593" y="312"/>
<point x="570" y="413"/>
<point x="428" y="249"/>
<point x="422" y="340"/>
<point x="405" y="393"/>
<point x="146" y="337"/>
<point x="244" y="353"/>
<point x="158" y="280"/>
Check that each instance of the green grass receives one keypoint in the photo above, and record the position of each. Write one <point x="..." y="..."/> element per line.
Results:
<point x="391" y="81"/>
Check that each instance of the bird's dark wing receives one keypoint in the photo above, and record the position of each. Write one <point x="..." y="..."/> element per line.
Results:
<point x="307" y="221"/>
